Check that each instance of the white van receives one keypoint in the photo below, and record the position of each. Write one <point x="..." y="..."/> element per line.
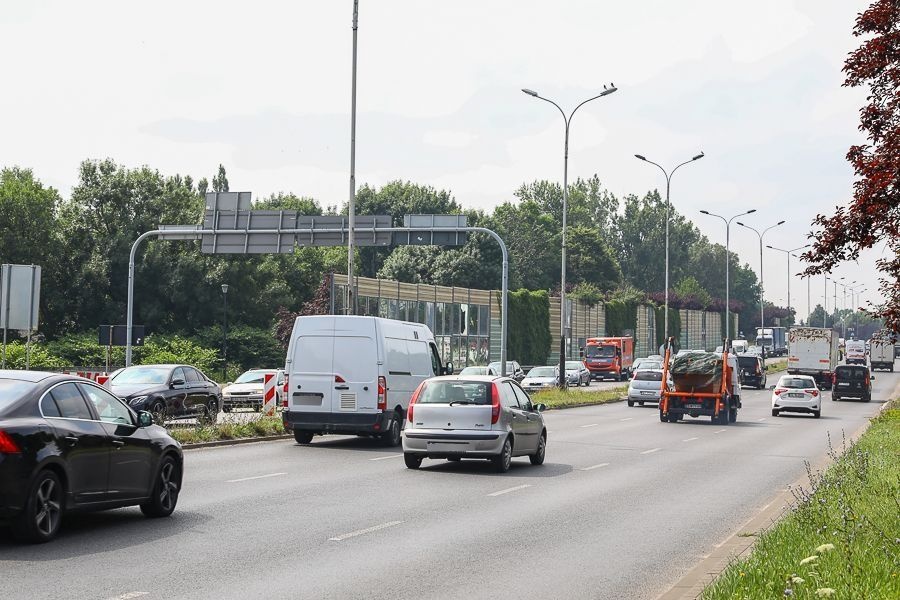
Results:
<point x="355" y="375"/>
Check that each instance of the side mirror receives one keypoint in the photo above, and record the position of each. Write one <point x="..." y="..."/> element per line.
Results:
<point x="144" y="418"/>
<point x="872" y="377"/>
<point x="540" y="407"/>
<point x="177" y="382"/>
<point x="448" y="370"/>
<point x="229" y="383"/>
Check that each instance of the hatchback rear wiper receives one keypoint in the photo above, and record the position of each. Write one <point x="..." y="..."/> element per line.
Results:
<point x="460" y="402"/>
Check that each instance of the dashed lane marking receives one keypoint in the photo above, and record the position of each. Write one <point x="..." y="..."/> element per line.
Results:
<point x="387" y="457"/>
<point x="720" y="431"/>
<point x="129" y="596"/>
<point x="626" y="419"/>
<point x="651" y="450"/>
<point x="508" y="490"/>
<point x="255" y="477"/>
<point x="690" y="439"/>
<point x="352" y="534"/>
<point x="590" y="425"/>
<point x="592" y="467"/>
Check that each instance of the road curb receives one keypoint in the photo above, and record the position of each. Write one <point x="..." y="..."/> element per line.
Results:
<point x="217" y="443"/>
<point x="740" y="544"/>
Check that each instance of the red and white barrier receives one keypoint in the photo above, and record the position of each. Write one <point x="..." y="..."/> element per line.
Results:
<point x="269" y="382"/>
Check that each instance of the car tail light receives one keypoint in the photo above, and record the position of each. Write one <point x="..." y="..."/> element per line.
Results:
<point x="412" y="401"/>
<point x="8" y="445"/>
<point x="382" y="393"/>
<point x="834" y="379"/>
<point x="758" y="370"/>
<point x="284" y="394"/>
<point x="867" y="378"/>
<point x="778" y="391"/>
<point x="495" y="404"/>
<point x="813" y="393"/>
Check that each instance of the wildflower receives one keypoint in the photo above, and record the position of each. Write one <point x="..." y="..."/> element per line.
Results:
<point x="742" y="574"/>
<point x="824" y="592"/>
<point x="796" y="579"/>
<point x="825" y="548"/>
<point x="809" y="559"/>
<point x="788" y="592"/>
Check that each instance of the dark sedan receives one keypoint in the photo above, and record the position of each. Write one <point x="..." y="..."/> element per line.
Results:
<point x="68" y="444"/>
<point x="167" y="391"/>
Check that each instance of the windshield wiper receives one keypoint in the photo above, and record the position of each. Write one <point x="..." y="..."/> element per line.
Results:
<point x="460" y="402"/>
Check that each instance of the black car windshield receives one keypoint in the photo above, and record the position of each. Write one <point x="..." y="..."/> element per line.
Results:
<point x="11" y="390"/>
<point x="444" y="392"/>
<point x="252" y="377"/>
<point x="142" y="375"/>
<point x="796" y="383"/>
<point x="600" y="351"/>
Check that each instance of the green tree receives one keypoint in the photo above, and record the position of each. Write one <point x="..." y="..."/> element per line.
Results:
<point x="590" y="259"/>
<point x="689" y="286"/>
<point x="220" y="181"/>
<point x="532" y="238"/>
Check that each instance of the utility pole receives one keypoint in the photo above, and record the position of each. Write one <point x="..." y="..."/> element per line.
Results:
<point x="351" y="221"/>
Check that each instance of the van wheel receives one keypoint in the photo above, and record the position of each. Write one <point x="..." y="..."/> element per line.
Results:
<point x="412" y="461"/>
<point x="391" y="437"/>
<point x="503" y="460"/>
<point x="302" y="437"/>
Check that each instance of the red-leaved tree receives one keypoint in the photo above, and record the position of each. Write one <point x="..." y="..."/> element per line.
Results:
<point x="873" y="215"/>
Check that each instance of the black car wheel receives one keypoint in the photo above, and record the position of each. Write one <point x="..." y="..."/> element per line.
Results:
<point x="226" y="409"/>
<point x="164" y="496"/>
<point x="40" y="520"/>
<point x="503" y="460"/>
<point x="158" y="410"/>
<point x="412" y="461"/>
<point x="211" y="412"/>
<point x="538" y="457"/>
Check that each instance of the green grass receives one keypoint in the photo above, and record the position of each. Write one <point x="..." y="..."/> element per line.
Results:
<point x="854" y="507"/>
<point x="773" y="366"/>
<point x="559" y="399"/>
<point x="257" y="428"/>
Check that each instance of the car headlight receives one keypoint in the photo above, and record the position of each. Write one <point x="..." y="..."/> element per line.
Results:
<point x="137" y="400"/>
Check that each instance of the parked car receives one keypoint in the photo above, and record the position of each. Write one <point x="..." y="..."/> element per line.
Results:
<point x="479" y="371"/>
<point x="851" y="381"/>
<point x="753" y="370"/>
<point x="513" y="369"/>
<point x="541" y="378"/>
<point x="577" y="374"/>
<point x="68" y="444"/>
<point x="167" y="391"/>
<point x="645" y="386"/>
<point x="483" y="417"/>
<point x="796" y="393"/>
<point x="247" y="390"/>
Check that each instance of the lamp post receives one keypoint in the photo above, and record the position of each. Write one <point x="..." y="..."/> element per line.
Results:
<point x="668" y="175"/>
<point x="788" y="255"/>
<point x="825" y="305"/>
<point x="762" y="319"/>
<point x="727" y="263"/>
<point x="224" y="332"/>
<point x="562" y="287"/>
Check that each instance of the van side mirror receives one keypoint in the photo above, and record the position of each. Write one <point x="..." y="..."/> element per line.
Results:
<point x="448" y="370"/>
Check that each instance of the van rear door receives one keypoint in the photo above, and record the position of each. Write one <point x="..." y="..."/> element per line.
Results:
<point x="355" y="366"/>
<point x="312" y="372"/>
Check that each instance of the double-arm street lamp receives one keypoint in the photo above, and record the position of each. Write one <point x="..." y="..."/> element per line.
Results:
<point x="788" y="255"/>
<point x="565" y="189"/>
<point x="762" y="314"/>
<point x="668" y="175"/>
<point x="727" y="263"/>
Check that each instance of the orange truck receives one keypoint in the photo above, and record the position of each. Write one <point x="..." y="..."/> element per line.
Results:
<point x="609" y="357"/>
<point x="697" y="383"/>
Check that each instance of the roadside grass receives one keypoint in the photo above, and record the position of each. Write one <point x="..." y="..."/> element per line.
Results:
<point x="842" y="538"/>
<point x="776" y="365"/>
<point x="230" y="430"/>
<point x="559" y="399"/>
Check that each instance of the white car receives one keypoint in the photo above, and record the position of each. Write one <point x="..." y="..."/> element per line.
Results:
<point x="247" y="390"/>
<point x="541" y="378"/>
<point x="796" y="393"/>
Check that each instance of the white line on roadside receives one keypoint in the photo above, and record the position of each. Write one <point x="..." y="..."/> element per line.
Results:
<point x="387" y="457"/>
<point x="340" y="538"/>
<point x="255" y="477"/>
<point x="651" y="450"/>
<point x="592" y="467"/>
<point x="590" y="425"/>
<point x="129" y="596"/>
<point x="720" y="431"/>
<point x="626" y="419"/>
<point x="690" y="439"/>
<point x="762" y="419"/>
<point x="508" y="490"/>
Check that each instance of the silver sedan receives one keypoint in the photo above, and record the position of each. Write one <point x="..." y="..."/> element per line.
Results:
<point x="456" y="417"/>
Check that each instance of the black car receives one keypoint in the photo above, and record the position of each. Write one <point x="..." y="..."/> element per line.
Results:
<point x="167" y="391"/>
<point x="67" y="444"/>
<point x="851" y="381"/>
<point x="752" y="370"/>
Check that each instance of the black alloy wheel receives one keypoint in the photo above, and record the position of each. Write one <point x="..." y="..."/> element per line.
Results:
<point x="164" y="496"/>
<point x="158" y="410"/>
<point x="40" y="520"/>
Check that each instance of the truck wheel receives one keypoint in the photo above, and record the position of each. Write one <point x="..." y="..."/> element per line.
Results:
<point x="732" y="415"/>
<point x="302" y="437"/>
<point x="226" y="409"/>
<point x="662" y="417"/>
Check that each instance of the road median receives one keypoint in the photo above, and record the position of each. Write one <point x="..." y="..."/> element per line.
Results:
<point x="557" y="399"/>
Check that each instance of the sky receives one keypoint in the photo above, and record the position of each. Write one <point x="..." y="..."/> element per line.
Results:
<point x="264" y="88"/>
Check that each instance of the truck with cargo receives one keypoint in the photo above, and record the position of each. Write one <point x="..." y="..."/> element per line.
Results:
<point x="698" y="383"/>
<point x="772" y="339"/>
<point x="814" y="352"/>
<point x="881" y="353"/>
<point x="855" y="352"/>
<point x="609" y="357"/>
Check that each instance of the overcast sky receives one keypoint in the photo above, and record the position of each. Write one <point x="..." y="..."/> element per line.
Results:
<point x="264" y="88"/>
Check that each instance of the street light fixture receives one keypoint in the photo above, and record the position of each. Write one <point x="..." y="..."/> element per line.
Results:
<point x="788" y="255"/>
<point x="224" y="332"/>
<point x="668" y="175"/>
<point x="727" y="263"/>
<point x="762" y="320"/>
<point x="562" y="287"/>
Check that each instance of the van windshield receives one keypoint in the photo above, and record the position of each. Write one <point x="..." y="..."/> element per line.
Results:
<point x="444" y="392"/>
<point x="600" y="351"/>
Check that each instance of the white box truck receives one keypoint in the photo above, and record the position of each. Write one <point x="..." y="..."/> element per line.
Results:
<point x="881" y="353"/>
<point x="814" y="352"/>
<point x="355" y="375"/>
<point x="855" y="352"/>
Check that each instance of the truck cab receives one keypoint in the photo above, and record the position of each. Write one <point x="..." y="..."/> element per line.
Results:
<point x="609" y="357"/>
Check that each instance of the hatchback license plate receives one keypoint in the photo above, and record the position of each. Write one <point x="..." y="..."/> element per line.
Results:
<point x="647" y="393"/>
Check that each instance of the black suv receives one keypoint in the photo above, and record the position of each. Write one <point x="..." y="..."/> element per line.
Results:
<point x="753" y="370"/>
<point x="851" y="381"/>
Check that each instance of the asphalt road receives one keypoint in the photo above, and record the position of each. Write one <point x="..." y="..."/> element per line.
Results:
<point x="623" y="506"/>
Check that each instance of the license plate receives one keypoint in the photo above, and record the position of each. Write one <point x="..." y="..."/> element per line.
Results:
<point x="648" y="393"/>
<point x="844" y="383"/>
<point x="693" y="406"/>
<point x="796" y="395"/>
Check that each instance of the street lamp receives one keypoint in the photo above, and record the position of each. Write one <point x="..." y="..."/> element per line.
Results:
<point x="224" y="331"/>
<point x="668" y="175"/>
<point x="788" y="254"/>
<point x="727" y="263"/>
<point x="762" y="319"/>
<point x="562" y="287"/>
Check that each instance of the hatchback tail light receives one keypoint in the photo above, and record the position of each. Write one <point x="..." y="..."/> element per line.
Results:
<point x="382" y="393"/>
<point x="813" y="392"/>
<point x="778" y="391"/>
<point x="412" y="401"/>
<point x="834" y="379"/>
<point x="495" y="404"/>
<point x="8" y="445"/>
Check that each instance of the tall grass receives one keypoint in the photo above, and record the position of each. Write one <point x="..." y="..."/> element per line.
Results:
<point x="260" y="426"/>
<point x="558" y="399"/>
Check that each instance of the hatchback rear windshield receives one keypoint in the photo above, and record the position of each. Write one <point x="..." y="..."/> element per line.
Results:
<point x="850" y="373"/>
<point x="748" y="362"/>
<point x="444" y="392"/>
<point x="648" y="376"/>
<point x="11" y="390"/>
<point x="796" y="383"/>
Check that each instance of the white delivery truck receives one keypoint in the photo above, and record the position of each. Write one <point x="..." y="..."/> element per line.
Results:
<point x="855" y="352"/>
<point x="881" y="353"/>
<point x="814" y="352"/>
<point x="355" y="375"/>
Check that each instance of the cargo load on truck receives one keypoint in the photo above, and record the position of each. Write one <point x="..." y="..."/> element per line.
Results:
<point x="772" y="339"/>
<point x="702" y="384"/>
<point x="814" y="352"/>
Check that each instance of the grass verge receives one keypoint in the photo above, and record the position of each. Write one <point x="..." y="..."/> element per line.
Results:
<point x="559" y="399"/>
<point x="773" y="366"/>
<point x="257" y="428"/>
<point x="842" y="538"/>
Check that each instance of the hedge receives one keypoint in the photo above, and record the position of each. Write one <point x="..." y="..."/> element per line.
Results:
<point x="529" y="327"/>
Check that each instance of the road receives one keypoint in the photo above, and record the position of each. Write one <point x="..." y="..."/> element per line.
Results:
<point x="623" y="506"/>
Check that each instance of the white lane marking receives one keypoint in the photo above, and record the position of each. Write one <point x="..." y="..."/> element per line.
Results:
<point x="592" y="467"/>
<point x="626" y="419"/>
<point x="387" y="457"/>
<point x="129" y="596"/>
<point x="762" y="419"/>
<point x="720" y="431"/>
<point x="340" y="538"/>
<point x="591" y="425"/>
<point x="651" y="450"/>
<point x="508" y="490"/>
<point x="690" y="439"/>
<point x="254" y="477"/>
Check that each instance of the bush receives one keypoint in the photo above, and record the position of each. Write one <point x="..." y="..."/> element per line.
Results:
<point x="529" y="327"/>
<point x="40" y="357"/>
<point x="248" y="347"/>
<point x="82" y="350"/>
<point x="175" y="349"/>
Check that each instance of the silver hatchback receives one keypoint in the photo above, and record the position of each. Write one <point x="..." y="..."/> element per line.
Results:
<point x="456" y="417"/>
<point x="645" y="386"/>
